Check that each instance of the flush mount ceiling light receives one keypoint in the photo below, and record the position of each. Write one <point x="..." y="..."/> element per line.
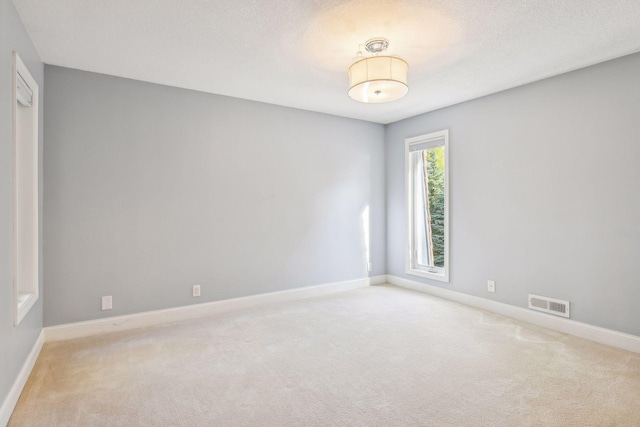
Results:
<point x="377" y="78"/>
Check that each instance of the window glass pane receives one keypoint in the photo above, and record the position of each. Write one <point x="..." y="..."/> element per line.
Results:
<point x="428" y="206"/>
<point x="434" y="158"/>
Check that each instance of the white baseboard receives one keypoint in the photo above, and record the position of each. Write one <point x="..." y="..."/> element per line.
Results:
<point x="149" y="318"/>
<point x="378" y="280"/>
<point x="14" y="394"/>
<point x="571" y="327"/>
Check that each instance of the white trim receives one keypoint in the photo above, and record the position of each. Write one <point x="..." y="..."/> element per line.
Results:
<point x="430" y="138"/>
<point x="156" y="317"/>
<point x="11" y="400"/>
<point x="567" y="326"/>
<point x="378" y="280"/>
<point x="21" y="310"/>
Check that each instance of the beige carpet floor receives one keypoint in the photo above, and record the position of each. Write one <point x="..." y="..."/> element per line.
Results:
<point x="378" y="356"/>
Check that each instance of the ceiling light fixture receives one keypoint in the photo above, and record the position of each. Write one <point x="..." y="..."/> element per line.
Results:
<point x="377" y="78"/>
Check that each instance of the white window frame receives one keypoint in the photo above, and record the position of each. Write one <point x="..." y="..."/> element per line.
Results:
<point x="433" y="139"/>
<point x="25" y="294"/>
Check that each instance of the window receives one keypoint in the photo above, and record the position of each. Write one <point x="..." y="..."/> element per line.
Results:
<point x="25" y="191"/>
<point x="427" y="182"/>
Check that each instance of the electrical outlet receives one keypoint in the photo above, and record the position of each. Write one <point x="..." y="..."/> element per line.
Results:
<point x="196" y="290"/>
<point x="107" y="303"/>
<point x="369" y="267"/>
<point x="491" y="286"/>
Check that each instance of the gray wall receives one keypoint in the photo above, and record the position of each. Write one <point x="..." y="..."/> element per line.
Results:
<point x="16" y="341"/>
<point x="544" y="193"/>
<point x="151" y="189"/>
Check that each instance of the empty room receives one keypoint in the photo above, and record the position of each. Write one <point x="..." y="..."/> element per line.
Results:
<point x="319" y="213"/>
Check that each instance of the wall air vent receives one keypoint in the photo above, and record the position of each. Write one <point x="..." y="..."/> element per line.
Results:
<point x="549" y="305"/>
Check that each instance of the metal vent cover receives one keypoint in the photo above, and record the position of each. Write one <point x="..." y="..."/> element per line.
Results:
<point x="549" y="305"/>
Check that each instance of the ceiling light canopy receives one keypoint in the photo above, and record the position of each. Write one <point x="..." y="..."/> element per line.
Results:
<point x="378" y="78"/>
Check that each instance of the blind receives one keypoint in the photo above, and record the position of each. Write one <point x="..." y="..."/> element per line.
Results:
<point x="423" y="145"/>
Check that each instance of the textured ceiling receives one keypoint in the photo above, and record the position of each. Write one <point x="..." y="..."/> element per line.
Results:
<point x="296" y="52"/>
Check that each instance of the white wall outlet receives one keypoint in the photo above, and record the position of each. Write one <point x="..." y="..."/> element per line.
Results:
<point x="369" y="267"/>
<point x="196" y="290"/>
<point x="491" y="286"/>
<point x="107" y="303"/>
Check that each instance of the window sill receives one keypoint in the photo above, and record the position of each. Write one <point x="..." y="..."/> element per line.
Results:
<point x="23" y="305"/>
<point x="442" y="277"/>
